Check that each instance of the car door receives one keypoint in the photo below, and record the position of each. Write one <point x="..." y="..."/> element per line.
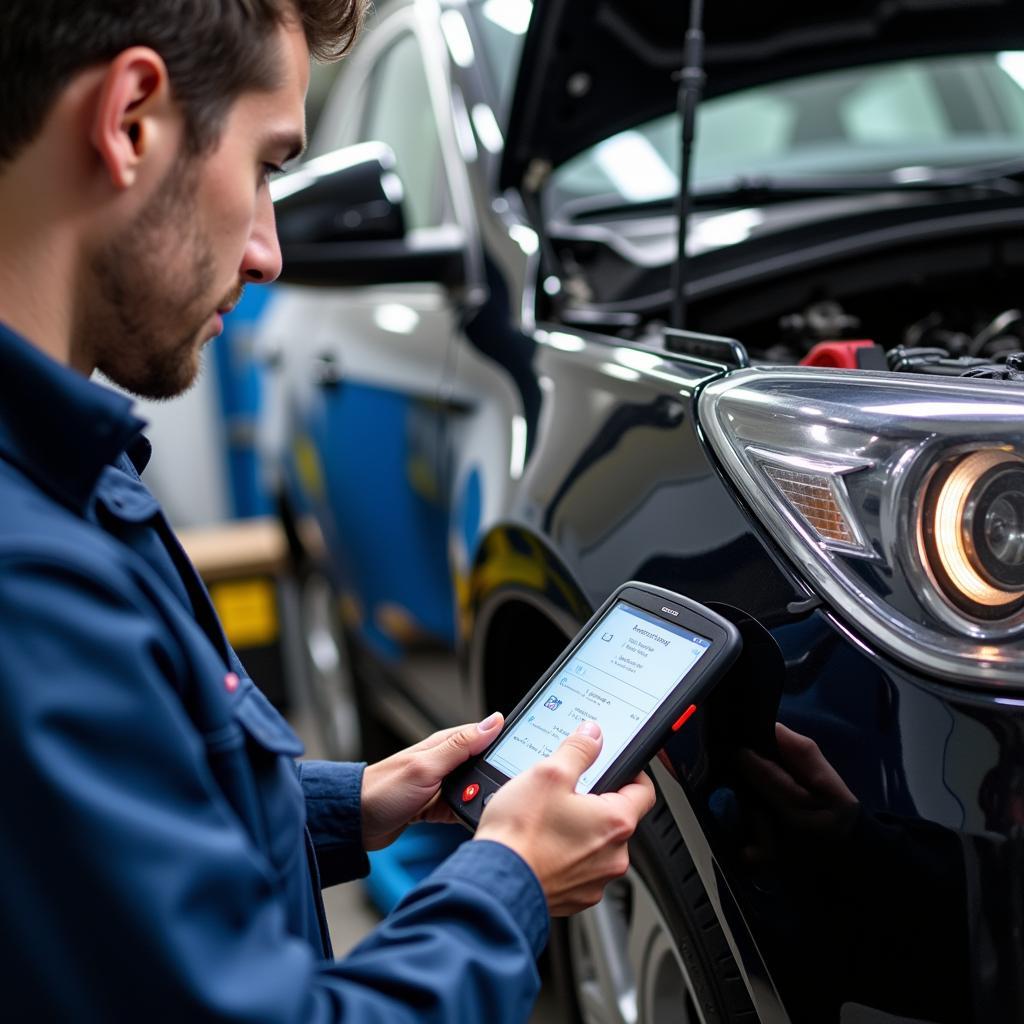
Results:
<point x="370" y="423"/>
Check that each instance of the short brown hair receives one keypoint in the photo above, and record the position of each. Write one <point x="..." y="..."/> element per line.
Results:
<point x="214" y="50"/>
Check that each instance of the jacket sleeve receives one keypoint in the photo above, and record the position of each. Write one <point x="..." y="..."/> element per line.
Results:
<point x="334" y="818"/>
<point x="131" y="891"/>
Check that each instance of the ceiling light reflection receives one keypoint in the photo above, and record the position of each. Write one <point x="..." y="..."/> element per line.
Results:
<point x="564" y="342"/>
<point x="487" y="130"/>
<point x="526" y="238"/>
<point x="517" y="454"/>
<point x="638" y="360"/>
<point x="511" y="15"/>
<point x="622" y="372"/>
<point x="1012" y="62"/>
<point x="724" y="229"/>
<point x="396" y="318"/>
<point x="456" y="35"/>
<point x="635" y="167"/>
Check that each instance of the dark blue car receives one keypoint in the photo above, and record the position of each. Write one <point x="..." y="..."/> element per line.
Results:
<point x="483" y="422"/>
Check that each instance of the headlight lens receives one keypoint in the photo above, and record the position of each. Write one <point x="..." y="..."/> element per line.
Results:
<point x="971" y="530"/>
<point x="900" y="499"/>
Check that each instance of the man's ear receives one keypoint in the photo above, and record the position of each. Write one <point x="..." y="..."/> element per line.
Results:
<point x="132" y="113"/>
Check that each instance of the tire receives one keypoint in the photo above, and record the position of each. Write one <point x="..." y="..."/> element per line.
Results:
<point x="328" y="678"/>
<point x="376" y="739"/>
<point x="652" y="951"/>
<point x="336" y="680"/>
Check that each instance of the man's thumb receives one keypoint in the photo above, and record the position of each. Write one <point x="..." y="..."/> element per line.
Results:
<point x="466" y="742"/>
<point x="579" y="751"/>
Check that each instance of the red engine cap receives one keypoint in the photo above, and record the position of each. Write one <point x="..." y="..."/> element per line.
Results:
<point x="845" y="355"/>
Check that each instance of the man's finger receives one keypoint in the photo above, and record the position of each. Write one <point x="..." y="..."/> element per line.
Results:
<point x="579" y="751"/>
<point x="435" y="739"/>
<point x="639" y="794"/>
<point x="458" y="745"/>
<point x="486" y="727"/>
<point x="437" y="812"/>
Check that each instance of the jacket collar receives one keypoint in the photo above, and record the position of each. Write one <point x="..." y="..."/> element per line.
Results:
<point x="58" y="427"/>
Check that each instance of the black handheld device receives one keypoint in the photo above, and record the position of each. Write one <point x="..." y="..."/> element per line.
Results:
<point x="639" y="668"/>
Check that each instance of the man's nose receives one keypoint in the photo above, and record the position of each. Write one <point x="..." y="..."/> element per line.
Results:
<point x="261" y="261"/>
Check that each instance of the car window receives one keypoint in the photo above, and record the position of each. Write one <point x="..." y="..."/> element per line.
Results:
<point x="399" y="113"/>
<point x="935" y="112"/>
<point x="502" y="25"/>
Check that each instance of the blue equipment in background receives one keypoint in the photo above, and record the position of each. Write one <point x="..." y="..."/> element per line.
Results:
<point x="240" y="387"/>
<point x="408" y="860"/>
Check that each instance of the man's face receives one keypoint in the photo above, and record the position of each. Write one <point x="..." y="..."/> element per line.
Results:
<point x="157" y="292"/>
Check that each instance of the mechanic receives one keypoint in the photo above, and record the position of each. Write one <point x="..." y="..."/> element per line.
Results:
<point x="162" y="854"/>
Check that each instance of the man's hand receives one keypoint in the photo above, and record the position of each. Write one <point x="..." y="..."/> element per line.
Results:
<point x="404" y="788"/>
<point x="800" y="793"/>
<point x="574" y="842"/>
<point x="801" y="786"/>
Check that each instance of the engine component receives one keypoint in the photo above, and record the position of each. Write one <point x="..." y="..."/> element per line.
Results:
<point x="846" y="355"/>
<point x="1002" y="335"/>
<point x="1011" y="369"/>
<point x="932" y="332"/>
<point x="997" y="337"/>
<point x="821" y="321"/>
<point x="937" y="361"/>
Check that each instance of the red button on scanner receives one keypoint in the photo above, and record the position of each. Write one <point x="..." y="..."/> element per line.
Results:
<point x="470" y="792"/>
<point x="678" y="723"/>
<point x="231" y="682"/>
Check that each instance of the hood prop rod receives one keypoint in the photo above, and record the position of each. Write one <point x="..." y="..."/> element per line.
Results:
<point x="691" y="90"/>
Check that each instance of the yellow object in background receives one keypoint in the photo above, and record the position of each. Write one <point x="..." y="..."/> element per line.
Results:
<point x="248" y="611"/>
<point x="246" y="568"/>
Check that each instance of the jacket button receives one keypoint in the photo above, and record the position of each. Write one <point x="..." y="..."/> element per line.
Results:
<point x="231" y="682"/>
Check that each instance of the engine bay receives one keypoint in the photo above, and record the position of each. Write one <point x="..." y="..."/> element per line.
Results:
<point x="949" y="342"/>
<point x="937" y="296"/>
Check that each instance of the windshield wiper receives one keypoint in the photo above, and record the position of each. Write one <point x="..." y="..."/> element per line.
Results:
<point x="752" y="189"/>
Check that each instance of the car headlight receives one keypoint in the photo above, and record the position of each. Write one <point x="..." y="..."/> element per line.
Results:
<point x="900" y="498"/>
<point x="971" y="533"/>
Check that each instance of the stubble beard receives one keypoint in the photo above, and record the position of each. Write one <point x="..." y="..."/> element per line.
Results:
<point x="151" y="294"/>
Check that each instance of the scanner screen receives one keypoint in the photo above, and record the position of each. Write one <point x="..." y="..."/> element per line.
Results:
<point x="623" y="671"/>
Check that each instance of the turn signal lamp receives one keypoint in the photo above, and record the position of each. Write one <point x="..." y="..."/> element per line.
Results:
<point x="813" y="491"/>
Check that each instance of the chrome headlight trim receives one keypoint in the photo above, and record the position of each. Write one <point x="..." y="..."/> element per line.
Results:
<point x="887" y="434"/>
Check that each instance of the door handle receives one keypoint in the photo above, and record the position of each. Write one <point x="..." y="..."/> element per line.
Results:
<point x="327" y="370"/>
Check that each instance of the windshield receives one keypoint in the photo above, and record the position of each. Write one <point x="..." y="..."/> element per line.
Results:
<point x="935" y="112"/>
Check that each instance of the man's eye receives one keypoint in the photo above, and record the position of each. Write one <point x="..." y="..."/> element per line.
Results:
<point x="271" y="171"/>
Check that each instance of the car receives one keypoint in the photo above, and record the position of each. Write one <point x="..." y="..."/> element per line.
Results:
<point x="496" y="390"/>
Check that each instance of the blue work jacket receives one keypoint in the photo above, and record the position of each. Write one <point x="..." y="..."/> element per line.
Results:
<point x="161" y="851"/>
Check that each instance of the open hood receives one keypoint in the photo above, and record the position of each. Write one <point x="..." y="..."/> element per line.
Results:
<point x="591" y="68"/>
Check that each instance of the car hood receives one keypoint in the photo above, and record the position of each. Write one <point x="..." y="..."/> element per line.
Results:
<point x="591" y="68"/>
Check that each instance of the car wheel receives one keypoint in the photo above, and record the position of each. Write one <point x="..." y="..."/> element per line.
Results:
<point x="652" y="951"/>
<point x="327" y="669"/>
